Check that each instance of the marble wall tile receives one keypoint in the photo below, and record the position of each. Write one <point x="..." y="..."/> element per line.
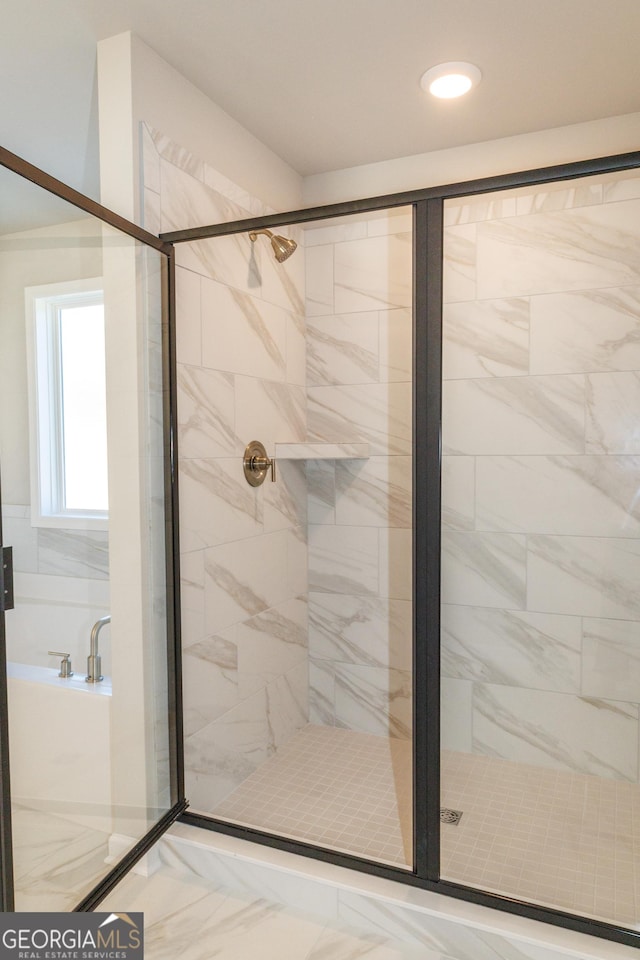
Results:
<point x="296" y="370"/>
<point x="284" y="283"/>
<point x="367" y="630"/>
<point x="182" y="158"/>
<point x="458" y="492"/>
<point x="488" y="338"/>
<point x="620" y="188"/>
<point x="395" y="563"/>
<point x="270" y="645"/>
<point x="244" y="578"/>
<point x="396" y="345"/>
<point x="487" y="206"/>
<point x="374" y="492"/>
<point x="210" y="679"/>
<point x="233" y="260"/>
<point x="597" y="246"/>
<point x="220" y="756"/>
<point x="554" y="730"/>
<point x="586" y="331"/>
<point x="287" y="705"/>
<point x="612" y="413"/>
<point x="373" y="274"/>
<point x="337" y="231"/>
<point x="273" y="412"/>
<point x="343" y="349"/>
<point x="343" y="560"/>
<point x="188" y="202"/>
<point x="285" y="501"/>
<point x="241" y="333"/>
<point x="559" y="196"/>
<point x="532" y="650"/>
<point x="217" y="504"/>
<point x="394" y="220"/>
<point x="74" y="553"/>
<point x="379" y="414"/>
<point x="297" y="566"/>
<point x="584" y="576"/>
<point x="456" y="715"/>
<point x="321" y="491"/>
<point x="484" y="569"/>
<point x="459" y="267"/>
<point x="611" y="659"/>
<point x="373" y="700"/>
<point x="591" y="496"/>
<point x="322" y="692"/>
<point x="206" y="413"/>
<point x="189" y="326"/>
<point x="535" y="415"/>
<point x="319" y="281"/>
<point x="192" y="596"/>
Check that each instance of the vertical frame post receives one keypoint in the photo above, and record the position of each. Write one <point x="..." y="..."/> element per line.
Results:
<point x="427" y="378"/>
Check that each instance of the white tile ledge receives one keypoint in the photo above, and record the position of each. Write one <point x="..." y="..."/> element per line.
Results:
<point x="383" y="906"/>
<point x="321" y="451"/>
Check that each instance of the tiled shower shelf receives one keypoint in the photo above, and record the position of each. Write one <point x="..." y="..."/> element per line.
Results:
<point x="322" y="451"/>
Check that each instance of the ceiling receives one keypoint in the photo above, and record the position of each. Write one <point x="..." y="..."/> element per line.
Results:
<point x="326" y="84"/>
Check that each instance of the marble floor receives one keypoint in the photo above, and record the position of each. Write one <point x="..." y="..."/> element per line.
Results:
<point x="561" y="839"/>
<point x="190" y="918"/>
<point x="338" y="788"/>
<point x="56" y="862"/>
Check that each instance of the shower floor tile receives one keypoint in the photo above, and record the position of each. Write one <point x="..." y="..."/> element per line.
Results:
<point x="338" y="788"/>
<point x="565" y="840"/>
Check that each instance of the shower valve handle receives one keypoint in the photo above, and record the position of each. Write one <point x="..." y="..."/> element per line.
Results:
<point x="256" y="463"/>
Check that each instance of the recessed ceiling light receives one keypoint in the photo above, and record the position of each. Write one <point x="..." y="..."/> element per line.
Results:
<point x="448" y="80"/>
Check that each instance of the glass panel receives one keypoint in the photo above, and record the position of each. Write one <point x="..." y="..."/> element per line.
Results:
<point x="89" y="761"/>
<point x="297" y="594"/>
<point x="541" y="544"/>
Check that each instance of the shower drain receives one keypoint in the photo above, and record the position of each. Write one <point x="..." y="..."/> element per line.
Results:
<point x="450" y="816"/>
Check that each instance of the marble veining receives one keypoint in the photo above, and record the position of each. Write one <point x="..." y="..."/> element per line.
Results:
<point x="488" y="338"/>
<point x="514" y="415"/>
<point x="216" y="504"/>
<point x="554" y="730"/>
<point x="376" y="492"/>
<point x="206" y="411"/>
<point x="585" y="576"/>
<point x="343" y="350"/>
<point x="371" y="631"/>
<point x="210" y="679"/>
<point x="611" y="412"/>
<point x="593" y="246"/>
<point x="611" y="658"/>
<point x="379" y="413"/>
<point x="484" y="569"/>
<point x="532" y="650"/>
<point x="592" y="496"/>
<point x="586" y="331"/>
<point x="343" y="559"/>
<point x="74" y="553"/>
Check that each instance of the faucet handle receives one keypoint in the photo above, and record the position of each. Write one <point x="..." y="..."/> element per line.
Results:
<point x="65" y="665"/>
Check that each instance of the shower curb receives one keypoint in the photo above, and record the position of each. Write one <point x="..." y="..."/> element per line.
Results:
<point x="378" y="907"/>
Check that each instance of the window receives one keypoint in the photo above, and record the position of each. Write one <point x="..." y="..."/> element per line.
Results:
<point x="67" y="404"/>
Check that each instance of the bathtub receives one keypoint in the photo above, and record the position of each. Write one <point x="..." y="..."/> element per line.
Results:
<point x="60" y="744"/>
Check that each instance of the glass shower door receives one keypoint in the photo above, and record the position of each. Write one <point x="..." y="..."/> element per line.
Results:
<point x="83" y="506"/>
<point x="541" y="544"/>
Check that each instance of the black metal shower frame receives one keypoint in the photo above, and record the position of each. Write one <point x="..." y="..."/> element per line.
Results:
<point x="428" y="205"/>
<point x="172" y="573"/>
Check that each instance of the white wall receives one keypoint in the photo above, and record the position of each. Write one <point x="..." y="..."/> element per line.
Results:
<point x="136" y="85"/>
<point x="580" y="141"/>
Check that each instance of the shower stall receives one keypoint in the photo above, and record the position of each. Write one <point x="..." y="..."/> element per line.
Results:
<point x="406" y="492"/>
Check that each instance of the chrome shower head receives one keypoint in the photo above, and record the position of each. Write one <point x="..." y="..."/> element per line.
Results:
<point x="282" y="246"/>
